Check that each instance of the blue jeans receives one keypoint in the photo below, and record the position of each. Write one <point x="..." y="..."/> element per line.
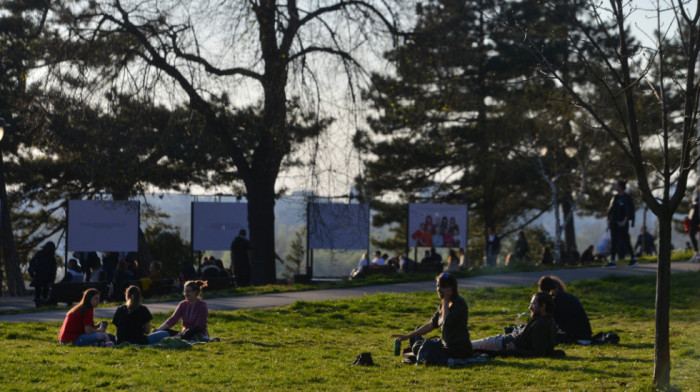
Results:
<point x="156" y="337"/>
<point x="90" y="339"/>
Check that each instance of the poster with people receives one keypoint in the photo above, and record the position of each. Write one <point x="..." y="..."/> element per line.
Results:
<point x="103" y="226"/>
<point x="338" y="226"/>
<point x="437" y="225"/>
<point x="216" y="224"/>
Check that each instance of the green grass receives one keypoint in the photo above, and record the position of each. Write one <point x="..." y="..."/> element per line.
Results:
<point x="308" y="346"/>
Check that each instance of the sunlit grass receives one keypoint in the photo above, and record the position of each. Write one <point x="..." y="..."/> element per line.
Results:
<point x="308" y="346"/>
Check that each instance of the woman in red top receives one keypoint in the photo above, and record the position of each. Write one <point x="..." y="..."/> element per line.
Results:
<point x="79" y="327"/>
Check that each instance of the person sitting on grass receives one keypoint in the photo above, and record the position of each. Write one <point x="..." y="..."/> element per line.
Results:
<point x="133" y="321"/>
<point x="193" y="312"/>
<point x="536" y="339"/>
<point x="79" y="326"/>
<point x="451" y="317"/>
<point x="569" y="315"/>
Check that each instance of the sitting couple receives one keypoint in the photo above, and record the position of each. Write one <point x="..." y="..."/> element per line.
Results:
<point x="133" y="320"/>
<point x="536" y="339"/>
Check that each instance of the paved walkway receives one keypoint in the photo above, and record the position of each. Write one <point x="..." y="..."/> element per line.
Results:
<point x="281" y="299"/>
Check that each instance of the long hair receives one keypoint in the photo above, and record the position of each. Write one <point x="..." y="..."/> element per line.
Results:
<point x="549" y="283"/>
<point x="85" y="304"/>
<point x="133" y="298"/>
<point x="197" y="286"/>
<point x="448" y="280"/>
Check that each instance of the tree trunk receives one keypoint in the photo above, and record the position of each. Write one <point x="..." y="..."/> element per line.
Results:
<point x="569" y="228"/>
<point x="143" y="255"/>
<point x="662" y="354"/>
<point x="261" y="222"/>
<point x="13" y="273"/>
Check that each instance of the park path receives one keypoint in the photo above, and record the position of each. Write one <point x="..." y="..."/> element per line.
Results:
<point x="281" y="299"/>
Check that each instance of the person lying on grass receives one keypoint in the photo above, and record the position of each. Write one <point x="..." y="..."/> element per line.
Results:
<point x="79" y="326"/>
<point x="193" y="312"/>
<point x="536" y="339"/>
<point x="451" y="317"/>
<point x="133" y="321"/>
<point x="569" y="315"/>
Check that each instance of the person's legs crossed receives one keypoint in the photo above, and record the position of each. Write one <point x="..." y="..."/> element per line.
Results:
<point x="90" y="339"/>
<point x="156" y="337"/>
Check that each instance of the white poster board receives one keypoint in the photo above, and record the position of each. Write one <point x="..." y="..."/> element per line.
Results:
<point x="338" y="226"/>
<point x="103" y="226"/>
<point x="215" y="225"/>
<point x="437" y="225"/>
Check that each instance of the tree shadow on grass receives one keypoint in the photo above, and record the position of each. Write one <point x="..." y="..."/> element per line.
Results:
<point x="229" y="317"/>
<point x="257" y="344"/>
<point x="638" y="346"/>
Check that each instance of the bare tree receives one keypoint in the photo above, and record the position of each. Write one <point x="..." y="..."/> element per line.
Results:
<point x="662" y="152"/>
<point x="219" y="52"/>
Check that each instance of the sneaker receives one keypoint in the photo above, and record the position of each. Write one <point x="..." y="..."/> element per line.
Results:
<point x="632" y="263"/>
<point x="610" y="265"/>
<point x="695" y="258"/>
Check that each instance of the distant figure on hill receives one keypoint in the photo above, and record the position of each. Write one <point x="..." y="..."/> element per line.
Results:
<point x="463" y="259"/>
<point x="521" y="247"/>
<point x="537" y="339"/>
<point x="361" y="267"/>
<point x="378" y="260"/>
<point x="492" y="247"/>
<point x="547" y="258"/>
<point x="240" y="258"/>
<point x="452" y="262"/>
<point x="426" y="258"/>
<point x="620" y="217"/>
<point x="73" y="273"/>
<point x="694" y="215"/>
<point x="569" y="314"/>
<point x="42" y="269"/>
<point x="587" y="256"/>
<point x="645" y="243"/>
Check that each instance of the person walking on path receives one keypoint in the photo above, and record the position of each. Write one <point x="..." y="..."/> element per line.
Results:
<point x="620" y="217"/>
<point x="240" y="258"/>
<point x="694" y="215"/>
<point x="493" y="247"/>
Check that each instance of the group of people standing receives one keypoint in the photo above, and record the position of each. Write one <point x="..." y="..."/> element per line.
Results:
<point x="133" y="320"/>
<point x="556" y="316"/>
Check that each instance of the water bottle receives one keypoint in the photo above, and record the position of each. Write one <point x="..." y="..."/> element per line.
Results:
<point x="397" y="347"/>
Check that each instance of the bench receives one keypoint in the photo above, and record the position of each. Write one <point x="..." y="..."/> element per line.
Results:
<point x="221" y="283"/>
<point x="376" y="270"/>
<point x="430" y="267"/>
<point x="160" y="287"/>
<point x="71" y="292"/>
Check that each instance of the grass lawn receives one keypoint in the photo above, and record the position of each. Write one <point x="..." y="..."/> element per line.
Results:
<point x="308" y="346"/>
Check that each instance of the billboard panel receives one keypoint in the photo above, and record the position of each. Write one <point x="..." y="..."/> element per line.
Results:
<point x="215" y="225"/>
<point x="338" y="226"/>
<point x="103" y="226"/>
<point x="437" y="225"/>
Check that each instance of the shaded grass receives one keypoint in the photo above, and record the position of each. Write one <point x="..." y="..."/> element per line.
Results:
<point x="307" y="346"/>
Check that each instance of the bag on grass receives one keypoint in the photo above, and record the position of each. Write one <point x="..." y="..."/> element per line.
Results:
<point x="605" y="338"/>
<point x="363" y="359"/>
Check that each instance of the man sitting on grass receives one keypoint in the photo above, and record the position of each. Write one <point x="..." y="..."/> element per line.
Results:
<point x="537" y="339"/>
